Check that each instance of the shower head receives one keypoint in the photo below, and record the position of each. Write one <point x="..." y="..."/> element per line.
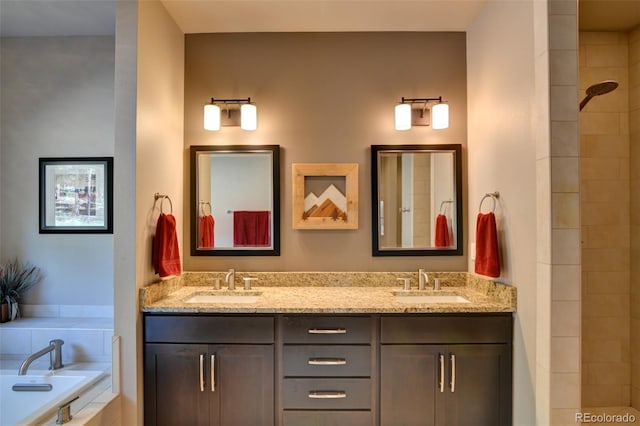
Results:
<point x="598" y="89"/>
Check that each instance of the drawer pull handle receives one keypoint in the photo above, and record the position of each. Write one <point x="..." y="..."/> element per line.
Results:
<point x="201" y="372"/>
<point x="327" y="361"/>
<point x="327" y="394"/>
<point x="338" y="330"/>
<point x="453" y="373"/>
<point x="441" y="382"/>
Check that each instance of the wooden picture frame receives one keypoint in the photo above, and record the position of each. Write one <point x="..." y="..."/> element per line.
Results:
<point x="336" y="204"/>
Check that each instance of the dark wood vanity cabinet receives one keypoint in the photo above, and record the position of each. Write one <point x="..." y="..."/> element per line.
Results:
<point x="321" y="370"/>
<point x="446" y="370"/>
<point x="202" y="370"/>
<point x="327" y="368"/>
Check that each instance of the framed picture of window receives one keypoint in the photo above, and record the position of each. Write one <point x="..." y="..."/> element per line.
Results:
<point x="325" y="196"/>
<point x="76" y="195"/>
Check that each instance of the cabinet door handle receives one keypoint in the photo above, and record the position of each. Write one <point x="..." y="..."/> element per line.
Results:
<point x="327" y="361"/>
<point x="453" y="373"/>
<point x="327" y="394"/>
<point x="338" y="330"/>
<point x="201" y="372"/>
<point x="213" y="372"/>
<point x="441" y="382"/>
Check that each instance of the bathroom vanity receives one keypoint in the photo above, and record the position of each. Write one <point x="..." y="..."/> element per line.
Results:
<point x="319" y="362"/>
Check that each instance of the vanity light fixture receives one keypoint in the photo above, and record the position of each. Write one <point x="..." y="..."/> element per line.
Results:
<point x="224" y="112"/>
<point x="408" y="115"/>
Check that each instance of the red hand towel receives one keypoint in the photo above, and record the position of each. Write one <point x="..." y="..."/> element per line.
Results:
<point x="165" y="253"/>
<point x="442" y="231"/>
<point x="206" y="226"/>
<point x="251" y="229"/>
<point x="487" y="258"/>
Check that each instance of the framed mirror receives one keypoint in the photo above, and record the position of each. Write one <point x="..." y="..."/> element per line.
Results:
<point x="416" y="200"/>
<point x="235" y="200"/>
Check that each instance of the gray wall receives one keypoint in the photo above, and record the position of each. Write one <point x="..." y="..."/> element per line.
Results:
<point x="324" y="97"/>
<point x="57" y="100"/>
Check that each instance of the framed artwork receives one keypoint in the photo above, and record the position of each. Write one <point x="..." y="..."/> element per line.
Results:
<point x="325" y="196"/>
<point x="76" y="195"/>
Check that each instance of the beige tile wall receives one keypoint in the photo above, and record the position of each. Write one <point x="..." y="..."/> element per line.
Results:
<point x="565" y="256"/>
<point x="634" y="152"/>
<point x="605" y="236"/>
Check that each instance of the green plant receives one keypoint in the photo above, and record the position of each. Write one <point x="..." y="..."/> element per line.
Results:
<point x="16" y="278"/>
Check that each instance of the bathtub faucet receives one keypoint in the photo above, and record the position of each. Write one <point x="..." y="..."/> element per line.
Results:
<point x="55" y="357"/>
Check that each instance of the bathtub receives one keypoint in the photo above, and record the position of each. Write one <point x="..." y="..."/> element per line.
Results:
<point x="37" y="403"/>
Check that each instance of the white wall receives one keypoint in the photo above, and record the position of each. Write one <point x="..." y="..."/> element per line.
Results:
<point x="501" y="153"/>
<point x="159" y="144"/>
<point x="247" y="189"/>
<point x="150" y="148"/>
<point x="56" y="101"/>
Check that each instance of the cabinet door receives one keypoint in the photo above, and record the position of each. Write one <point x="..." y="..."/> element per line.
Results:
<point x="409" y="384"/>
<point x="479" y="385"/>
<point x="172" y="385"/>
<point x="243" y="392"/>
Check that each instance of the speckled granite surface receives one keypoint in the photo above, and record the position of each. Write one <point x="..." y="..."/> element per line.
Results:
<point x="328" y="292"/>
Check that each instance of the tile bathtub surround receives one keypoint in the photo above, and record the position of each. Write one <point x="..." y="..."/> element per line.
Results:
<point x="66" y="311"/>
<point x="364" y="292"/>
<point x="85" y="339"/>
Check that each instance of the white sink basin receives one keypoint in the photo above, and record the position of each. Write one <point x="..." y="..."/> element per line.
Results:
<point x="235" y="297"/>
<point x="431" y="298"/>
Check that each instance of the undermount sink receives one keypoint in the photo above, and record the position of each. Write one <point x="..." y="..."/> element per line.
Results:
<point x="239" y="296"/>
<point x="429" y="298"/>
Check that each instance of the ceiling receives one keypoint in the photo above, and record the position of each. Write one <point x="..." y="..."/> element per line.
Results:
<point x="20" y="18"/>
<point x="197" y="16"/>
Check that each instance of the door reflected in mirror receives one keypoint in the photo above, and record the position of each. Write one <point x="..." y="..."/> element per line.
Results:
<point x="235" y="200"/>
<point x="417" y="207"/>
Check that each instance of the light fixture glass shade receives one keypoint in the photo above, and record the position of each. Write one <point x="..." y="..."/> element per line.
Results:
<point x="211" y="117"/>
<point x="403" y="117"/>
<point x="440" y="116"/>
<point x="248" y="117"/>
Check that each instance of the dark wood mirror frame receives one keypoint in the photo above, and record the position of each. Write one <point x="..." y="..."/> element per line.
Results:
<point x="274" y="249"/>
<point x="377" y="250"/>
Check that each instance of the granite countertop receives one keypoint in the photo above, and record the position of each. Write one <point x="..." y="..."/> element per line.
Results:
<point x="327" y="293"/>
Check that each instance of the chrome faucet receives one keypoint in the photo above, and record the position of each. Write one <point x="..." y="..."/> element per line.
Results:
<point x="55" y="357"/>
<point x="230" y="278"/>
<point x="423" y="279"/>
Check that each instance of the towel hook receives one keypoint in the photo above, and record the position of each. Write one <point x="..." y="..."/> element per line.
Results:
<point x="494" y="196"/>
<point x="202" y="205"/>
<point x="162" y="197"/>
<point x="442" y="204"/>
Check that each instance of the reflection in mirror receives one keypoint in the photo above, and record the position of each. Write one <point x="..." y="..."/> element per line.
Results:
<point x="235" y="199"/>
<point x="416" y="200"/>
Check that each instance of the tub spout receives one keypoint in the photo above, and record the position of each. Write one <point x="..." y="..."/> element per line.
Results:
<point x="55" y="357"/>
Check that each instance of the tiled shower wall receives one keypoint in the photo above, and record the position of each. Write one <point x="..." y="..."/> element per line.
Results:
<point x="634" y="135"/>
<point x="605" y="222"/>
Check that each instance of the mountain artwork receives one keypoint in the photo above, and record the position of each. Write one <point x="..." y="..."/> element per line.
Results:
<point x="331" y="203"/>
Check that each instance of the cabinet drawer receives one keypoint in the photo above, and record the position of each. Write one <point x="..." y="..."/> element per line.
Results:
<point x="326" y="394"/>
<point x="327" y="418"/>
<point x="208" y="329"/>
<point x="327" y="361"/>
<point x="321" y="329"/>
<point x="449" y="329"/>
